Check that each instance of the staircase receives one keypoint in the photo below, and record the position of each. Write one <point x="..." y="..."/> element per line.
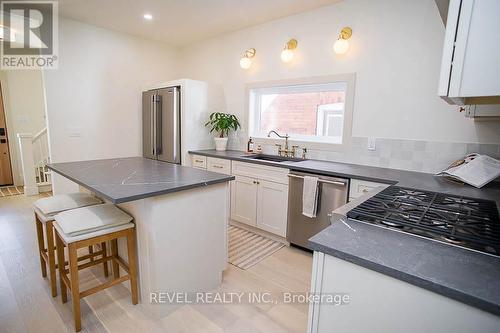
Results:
<point x="41" y="157"/>
<point x="34" y="158"/>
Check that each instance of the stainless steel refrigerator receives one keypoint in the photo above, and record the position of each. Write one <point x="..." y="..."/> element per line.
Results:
<point x="161" y="130"/>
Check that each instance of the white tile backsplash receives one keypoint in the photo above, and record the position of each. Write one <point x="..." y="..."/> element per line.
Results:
<point x="422" y="156"/>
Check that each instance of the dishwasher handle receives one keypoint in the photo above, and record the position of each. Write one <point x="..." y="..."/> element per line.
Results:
<point x="320" y="180"/>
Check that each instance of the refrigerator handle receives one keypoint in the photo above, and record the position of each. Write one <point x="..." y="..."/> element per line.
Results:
<point x="177" y="122"/>
<point x="152" y="117"/>
<point x="158" y="125"/>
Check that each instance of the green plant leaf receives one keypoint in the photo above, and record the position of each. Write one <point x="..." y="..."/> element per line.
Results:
<point x="222" y="123"/>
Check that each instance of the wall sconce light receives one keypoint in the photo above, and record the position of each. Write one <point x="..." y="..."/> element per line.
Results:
<point x="287" y="53"/>
<point x="341" y="45"/>
<point x="246" y="59"/>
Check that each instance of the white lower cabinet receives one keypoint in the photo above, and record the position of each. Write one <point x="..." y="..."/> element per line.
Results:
<point x="258" y="201"/>
<point x="272" y="207"/>
<point x="244" y="200"/>
<point x="199" y="162"/>
<point x="362" y="295"/>
<point x="219" y="165"/>
<point x="361" y="187"/>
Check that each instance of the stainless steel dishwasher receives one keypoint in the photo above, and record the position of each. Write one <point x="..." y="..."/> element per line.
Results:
<point x="332" y="193"/>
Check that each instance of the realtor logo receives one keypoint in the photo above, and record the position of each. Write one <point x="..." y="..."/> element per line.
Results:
<point x="28" y="33"/>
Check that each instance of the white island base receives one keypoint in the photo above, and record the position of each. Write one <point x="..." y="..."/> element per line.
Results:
<point x="181" y="243"/>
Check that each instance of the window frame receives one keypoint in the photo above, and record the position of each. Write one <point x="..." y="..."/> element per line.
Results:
<point x="287" y="85"/>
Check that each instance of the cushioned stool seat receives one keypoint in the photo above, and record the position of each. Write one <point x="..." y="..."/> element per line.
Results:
<point x="90" y="219"/>
<point x="82" y="227"/>
<point x="48" y="207"/>
<point x="45" y="211"/>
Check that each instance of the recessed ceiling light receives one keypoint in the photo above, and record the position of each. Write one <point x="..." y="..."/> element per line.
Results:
<point x="148" y="17"/>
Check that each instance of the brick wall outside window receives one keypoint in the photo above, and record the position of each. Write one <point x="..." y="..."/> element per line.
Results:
<point x="296" y="113"/>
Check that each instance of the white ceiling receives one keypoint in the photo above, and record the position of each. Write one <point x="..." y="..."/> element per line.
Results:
<point x="181" y="22"/>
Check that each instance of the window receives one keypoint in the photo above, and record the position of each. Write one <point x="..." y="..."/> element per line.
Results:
<point x="306" y="111"/>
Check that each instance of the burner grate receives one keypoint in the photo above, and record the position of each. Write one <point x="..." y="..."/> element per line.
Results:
<point x="472" y="223"/>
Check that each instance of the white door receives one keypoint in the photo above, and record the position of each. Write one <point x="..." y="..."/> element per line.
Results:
<point x="244" y="200"/>
<point x="272" y="207"/>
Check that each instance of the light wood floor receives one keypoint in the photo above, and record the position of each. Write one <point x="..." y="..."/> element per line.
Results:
<point x="26" y="304"/>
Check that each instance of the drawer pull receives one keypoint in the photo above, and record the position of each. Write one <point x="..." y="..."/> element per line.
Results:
<point x="218" y="166"/>
<point x="198" y="161"/>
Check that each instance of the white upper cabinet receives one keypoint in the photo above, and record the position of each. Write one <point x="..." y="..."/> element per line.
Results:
<point x="471" y="55"/>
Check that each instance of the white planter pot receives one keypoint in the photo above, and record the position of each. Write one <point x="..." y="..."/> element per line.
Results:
<point x="220" y="143"/>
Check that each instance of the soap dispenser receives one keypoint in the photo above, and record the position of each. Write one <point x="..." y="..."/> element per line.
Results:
<point x="250" y="145"/>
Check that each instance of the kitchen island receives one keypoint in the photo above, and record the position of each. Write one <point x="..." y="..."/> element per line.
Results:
<point x="181" y="217"/>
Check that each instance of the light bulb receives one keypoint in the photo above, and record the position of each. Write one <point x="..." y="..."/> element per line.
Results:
<point x="245" y="62"/>
<point x="341" y="46"/>
<point x="286" y="55"/>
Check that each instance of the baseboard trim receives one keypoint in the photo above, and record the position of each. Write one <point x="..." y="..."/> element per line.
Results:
<point x="30" y="190"/>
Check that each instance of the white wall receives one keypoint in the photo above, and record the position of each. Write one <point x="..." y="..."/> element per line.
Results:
<point x="395" y="52"/>
<point x="24" y="104"/>
<point x="94" y="97"/>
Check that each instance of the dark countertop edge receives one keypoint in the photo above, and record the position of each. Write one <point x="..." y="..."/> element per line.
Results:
<point x="290" y="166"/>
<point x="82" y="184"/>
<point x="412" y="279"/>
<point x="177" y="189"/>
<point x="347" y="175"/>
<point x="237" y="155"/>
<point x="142" y="196"/>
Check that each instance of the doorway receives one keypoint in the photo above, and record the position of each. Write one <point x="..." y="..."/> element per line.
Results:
<point x="5" y="164"/>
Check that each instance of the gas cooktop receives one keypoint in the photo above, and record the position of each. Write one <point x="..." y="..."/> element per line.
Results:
<point x="466" y="222"/>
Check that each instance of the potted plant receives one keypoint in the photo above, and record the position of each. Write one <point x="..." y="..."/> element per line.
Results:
<point x="222" y="123"/>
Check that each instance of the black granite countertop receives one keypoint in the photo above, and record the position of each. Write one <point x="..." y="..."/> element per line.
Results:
<point x="126" y="179"/>
<point x="417" y="180"/>
<point x="465" y="275"/>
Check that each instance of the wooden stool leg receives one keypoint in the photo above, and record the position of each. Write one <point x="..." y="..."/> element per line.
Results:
<point x="91" y="250"/>
<point x="49" y="228"/>
<point x="132" y="263"/>
<point x="41" y="245"/>
<point x="61" y="267"/>
<point x="114" y="253"/>
<point x="104" y="264"/>
<point x="75" y="289"/>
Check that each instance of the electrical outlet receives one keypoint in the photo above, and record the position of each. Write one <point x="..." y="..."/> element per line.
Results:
<point x="371" y="143"/>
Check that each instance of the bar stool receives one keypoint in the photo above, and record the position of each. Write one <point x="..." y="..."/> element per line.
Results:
<point x="82" y="227"/>
<point x="45" y="210"/>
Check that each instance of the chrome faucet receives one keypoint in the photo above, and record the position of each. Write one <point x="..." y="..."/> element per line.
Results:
<point x="284" y="150"/>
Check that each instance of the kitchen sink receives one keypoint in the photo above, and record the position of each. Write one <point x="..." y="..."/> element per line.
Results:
<point x="273" y="158"/>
